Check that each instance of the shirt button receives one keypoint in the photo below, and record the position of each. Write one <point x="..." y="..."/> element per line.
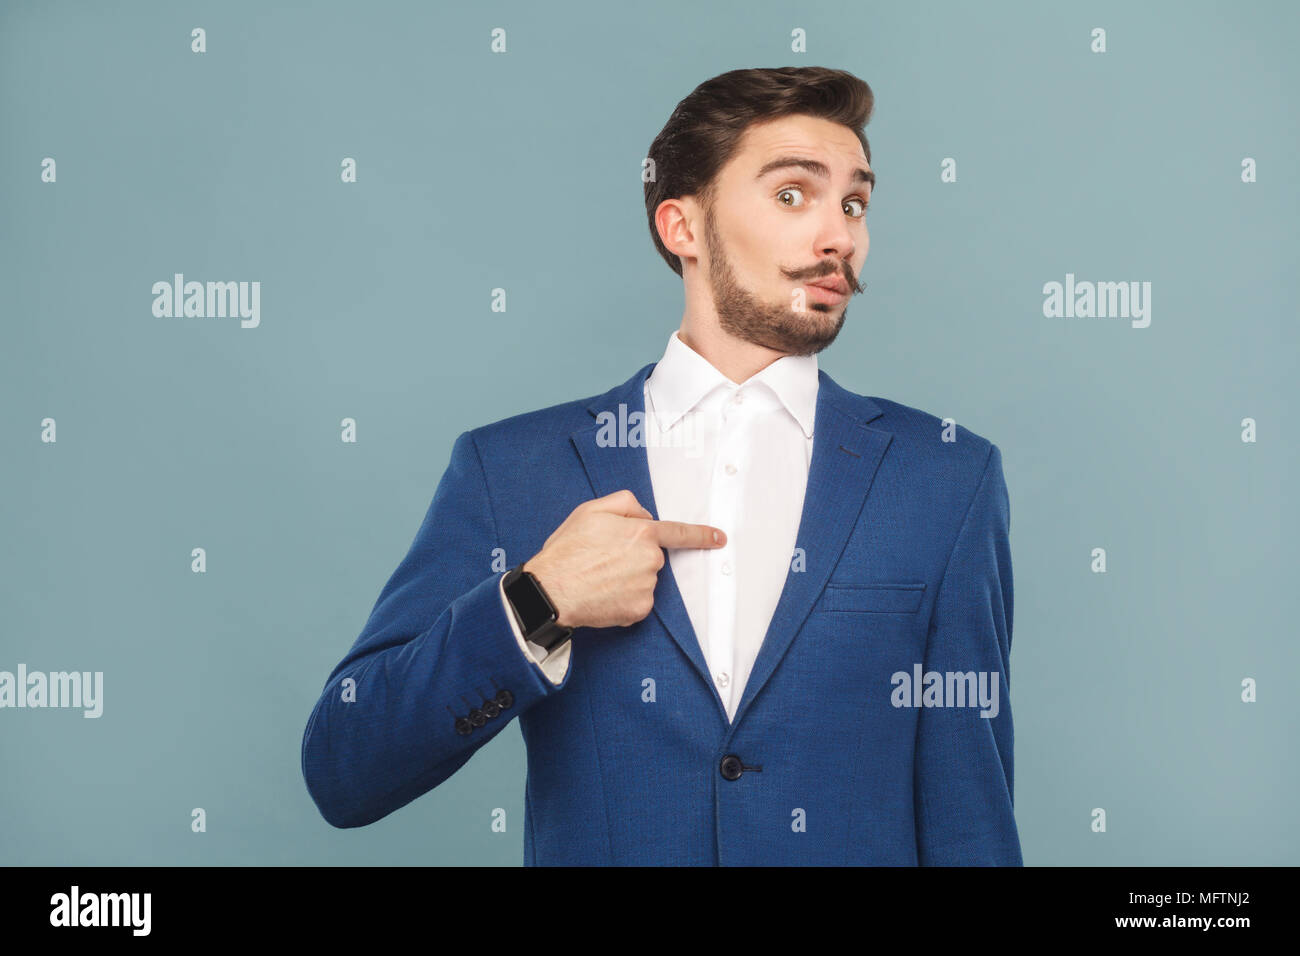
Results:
<point x="723" y="680"/>
<point x="726" y="567"/>
<point x="739" y="399"/>
<point x="731" y="469"/>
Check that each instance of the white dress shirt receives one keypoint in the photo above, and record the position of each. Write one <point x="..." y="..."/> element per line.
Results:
<point x="734" y="457"/>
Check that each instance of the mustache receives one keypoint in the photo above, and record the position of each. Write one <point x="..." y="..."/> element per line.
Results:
<point x="830" y="268"/>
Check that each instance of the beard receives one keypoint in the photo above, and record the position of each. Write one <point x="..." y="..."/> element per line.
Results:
<point x="776" y="327"/>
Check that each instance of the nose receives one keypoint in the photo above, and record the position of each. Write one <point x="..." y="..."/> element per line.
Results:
<point x="838" y="241"/>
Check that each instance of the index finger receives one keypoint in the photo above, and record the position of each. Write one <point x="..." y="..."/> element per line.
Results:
<point x="678" y="534"/>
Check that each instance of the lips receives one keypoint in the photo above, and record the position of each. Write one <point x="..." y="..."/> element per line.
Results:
<point x="833" y="283"/>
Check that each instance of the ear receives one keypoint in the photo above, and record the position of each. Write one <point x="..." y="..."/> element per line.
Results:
<point x="675" y="219"/>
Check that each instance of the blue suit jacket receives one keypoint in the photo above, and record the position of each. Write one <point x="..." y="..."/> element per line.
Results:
<point x="902" y="561"/>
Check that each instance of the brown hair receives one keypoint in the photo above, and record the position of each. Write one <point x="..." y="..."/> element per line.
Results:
<point x="705" y="128"/>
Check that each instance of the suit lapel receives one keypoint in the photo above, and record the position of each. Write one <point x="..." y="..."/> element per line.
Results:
<point x="845" y="457"/>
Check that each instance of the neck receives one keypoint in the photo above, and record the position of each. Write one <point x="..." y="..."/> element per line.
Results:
<point x="733" y="357"/>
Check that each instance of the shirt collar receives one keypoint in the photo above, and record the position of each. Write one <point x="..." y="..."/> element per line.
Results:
<point x="683" y="377"/>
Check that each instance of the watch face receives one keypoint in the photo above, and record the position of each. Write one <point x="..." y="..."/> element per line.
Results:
<point x="529" y="603"/>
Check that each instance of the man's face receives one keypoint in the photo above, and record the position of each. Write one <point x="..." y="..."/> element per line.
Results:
<point x="774" y="227"/>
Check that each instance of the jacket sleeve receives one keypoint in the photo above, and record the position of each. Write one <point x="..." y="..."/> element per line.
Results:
<point x="436" y="672"/>
<point x="963" y="760"/>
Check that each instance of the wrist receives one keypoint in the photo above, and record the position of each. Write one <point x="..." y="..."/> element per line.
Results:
<point x="545" y="577"/>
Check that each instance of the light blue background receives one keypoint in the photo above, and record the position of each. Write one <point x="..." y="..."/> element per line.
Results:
<point x="522" y="171"/>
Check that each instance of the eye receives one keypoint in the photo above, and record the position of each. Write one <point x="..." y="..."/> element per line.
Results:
<point x="789" y="189"/>
<point x="862" y="202"/>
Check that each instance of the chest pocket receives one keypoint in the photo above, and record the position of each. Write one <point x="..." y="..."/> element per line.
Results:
<point x="872" y="598"/>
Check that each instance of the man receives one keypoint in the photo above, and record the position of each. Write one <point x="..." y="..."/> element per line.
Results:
<point x="760" y="619"/>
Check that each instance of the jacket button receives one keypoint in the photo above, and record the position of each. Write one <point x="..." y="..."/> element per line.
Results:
<point x="476" y="717"/>
<point x="491" y="708"/>
<point x="505" y="698"/>
<point x="731" y="767"/>
<point x="463" y="726"/>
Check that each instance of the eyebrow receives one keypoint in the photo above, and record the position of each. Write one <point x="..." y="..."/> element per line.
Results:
<point x="816" y="167"/>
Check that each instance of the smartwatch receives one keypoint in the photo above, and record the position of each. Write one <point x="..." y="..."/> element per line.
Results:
<point x="534" y="609"/>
